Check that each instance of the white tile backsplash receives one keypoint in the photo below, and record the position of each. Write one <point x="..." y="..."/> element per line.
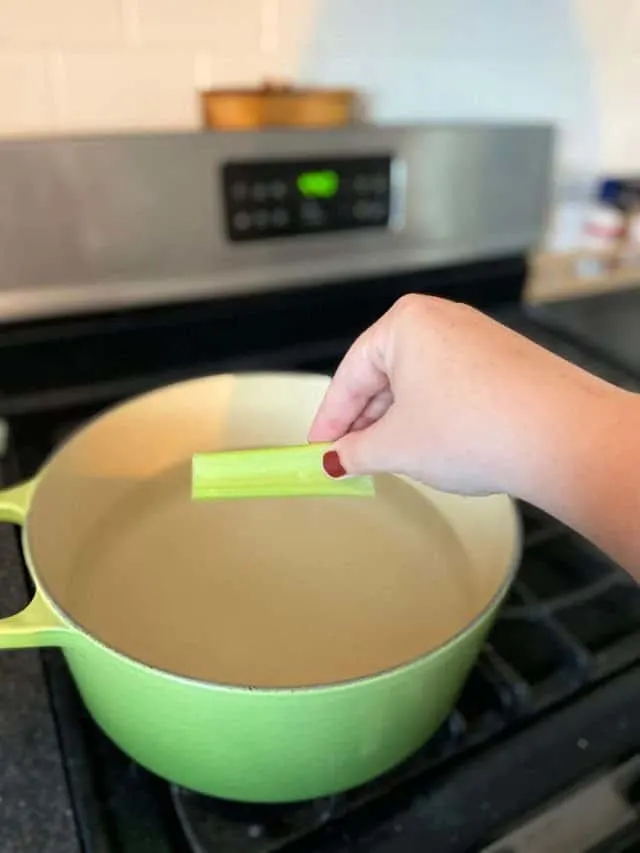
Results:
<point x="617" y="83"/>
<point x="227" y="26"/>
<point x="611" y="27"/>
<point x="134" y="90"/>
<point x="121" y="64"/>
<point x="26" y="103"/>
<point x="213" y="70"/>
<point x="60" y="22"/>
<point x="620" y="142"/>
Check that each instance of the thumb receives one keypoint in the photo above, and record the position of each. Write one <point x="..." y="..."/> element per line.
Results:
<point x="372" y="450"/>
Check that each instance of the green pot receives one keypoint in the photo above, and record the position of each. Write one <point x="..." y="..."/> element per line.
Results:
<point x="254" y="745"/>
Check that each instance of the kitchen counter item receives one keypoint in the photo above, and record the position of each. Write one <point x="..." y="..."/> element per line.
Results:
<point x="274" y="105"/>
<point x="109" y="524"/>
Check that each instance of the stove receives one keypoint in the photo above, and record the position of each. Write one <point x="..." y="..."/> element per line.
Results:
<point x="547" y="725"/>
<point x="605" y="324"/>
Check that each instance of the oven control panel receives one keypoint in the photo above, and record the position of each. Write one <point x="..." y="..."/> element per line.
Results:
<point x="284" y="198"/>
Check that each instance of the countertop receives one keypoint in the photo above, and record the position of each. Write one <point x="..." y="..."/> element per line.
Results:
<point x="553" y="276"/>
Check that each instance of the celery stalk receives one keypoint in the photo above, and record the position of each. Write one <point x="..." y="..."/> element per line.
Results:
<point x="270" y="472"/>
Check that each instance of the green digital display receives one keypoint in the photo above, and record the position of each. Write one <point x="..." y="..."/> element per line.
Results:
<point x="323" y="183"/>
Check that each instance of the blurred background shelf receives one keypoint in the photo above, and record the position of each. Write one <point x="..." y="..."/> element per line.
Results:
<point x="558" y="275"/>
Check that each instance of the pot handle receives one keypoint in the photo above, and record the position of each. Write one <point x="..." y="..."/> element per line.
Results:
<point x="36" y="625"/>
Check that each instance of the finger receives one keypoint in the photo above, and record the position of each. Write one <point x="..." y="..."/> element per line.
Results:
<point x="374" y="449"/>
<point x="374" y="410"/>
<point x="358" y="380"/>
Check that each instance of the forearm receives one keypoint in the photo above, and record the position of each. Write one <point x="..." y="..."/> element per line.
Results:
<point x="591" y="478"/>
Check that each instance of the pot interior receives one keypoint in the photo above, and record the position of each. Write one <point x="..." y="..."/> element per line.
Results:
<point x="262" y="593"/>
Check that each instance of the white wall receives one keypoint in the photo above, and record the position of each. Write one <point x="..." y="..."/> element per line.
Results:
<point x="94" y="65"/>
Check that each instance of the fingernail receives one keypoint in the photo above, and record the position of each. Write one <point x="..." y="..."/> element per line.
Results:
<point x="332" y="464"/>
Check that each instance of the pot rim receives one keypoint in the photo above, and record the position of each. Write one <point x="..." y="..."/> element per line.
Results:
<point x="71" y="624"/>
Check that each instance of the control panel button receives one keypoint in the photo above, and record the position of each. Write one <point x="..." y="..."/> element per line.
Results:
<point x="377" y="210"/>
<point x="369" y="210"/>
<point x="259" y="192"/>
<point x="261" y="218"/>
<point x="311" y="213"/>
<point x="239" y="191"/>
<point x="242" y="220"/>
<point x="361" y="184"/>
<point x="380" y="184"/>
<point x="280" y="217"/>
<point x="371" y="184"/>
<point x="277" y="190"/>
<point x="361" y="210"/>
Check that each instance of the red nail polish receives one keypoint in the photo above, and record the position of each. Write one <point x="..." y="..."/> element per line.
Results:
<point x="332" y="464"/>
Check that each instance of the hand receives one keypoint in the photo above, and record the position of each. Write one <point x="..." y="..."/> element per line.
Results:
<point x="438" y="391"/>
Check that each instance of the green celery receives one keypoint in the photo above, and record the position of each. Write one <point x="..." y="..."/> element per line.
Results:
<point x="270" y="472"/>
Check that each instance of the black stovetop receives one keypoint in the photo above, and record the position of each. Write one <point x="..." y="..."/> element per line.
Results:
<point x="553" y="698"/>
<point x="606" y="324"/>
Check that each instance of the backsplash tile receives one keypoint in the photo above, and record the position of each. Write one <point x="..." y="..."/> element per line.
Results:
<point x="620" y="142"/>
<point x="213" y="70"/>
<point x="138" y="64"/>
<point x="617" y="83"/>
<point x="611" y="27"/>
<point x="26" y="97"/>
<point x="229" y="27"/>
<point x="289" y="27"/>
<point x="60" y="22"/>
<point x="128" y="90"/>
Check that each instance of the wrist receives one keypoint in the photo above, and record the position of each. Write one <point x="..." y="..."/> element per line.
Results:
<point x="591" y="477"/>
<point x="573" y="432"/>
